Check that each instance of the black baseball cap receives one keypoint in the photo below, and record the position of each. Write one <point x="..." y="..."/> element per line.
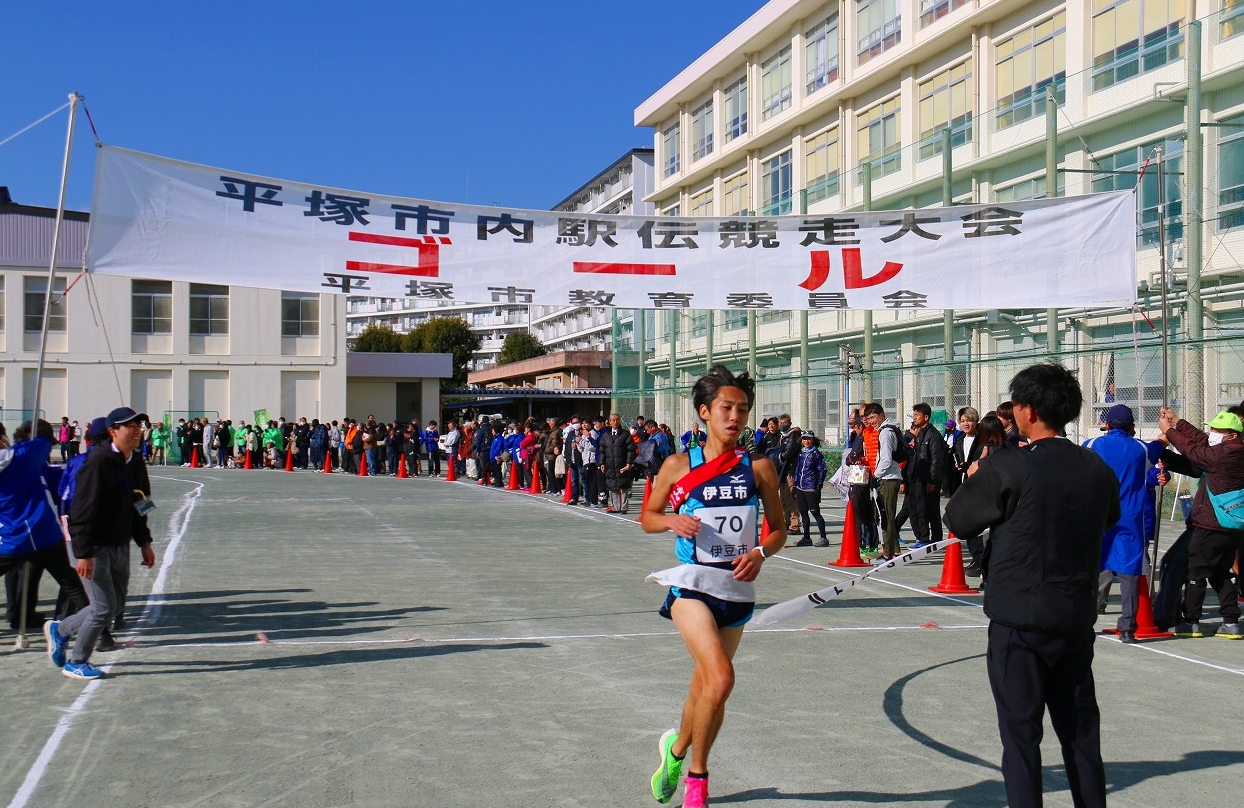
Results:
<point x="123" y="415"/>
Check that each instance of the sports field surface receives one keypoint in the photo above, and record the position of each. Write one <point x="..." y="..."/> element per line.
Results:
<point x="313" y="640"/>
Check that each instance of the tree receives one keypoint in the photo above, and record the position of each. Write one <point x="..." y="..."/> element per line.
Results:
<point x="445" y="335"/>
<point x="378" y="339"/>
<point x="520" y="345"/>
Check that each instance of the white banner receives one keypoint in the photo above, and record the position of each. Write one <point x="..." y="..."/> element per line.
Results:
<point x="162" y="219"/>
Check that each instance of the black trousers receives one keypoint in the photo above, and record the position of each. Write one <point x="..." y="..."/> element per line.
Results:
<point x="1032" y="670"/>
<point x="1210" y="556"/>
<point x="925" y="510"/>
<point x="54" y="559"/>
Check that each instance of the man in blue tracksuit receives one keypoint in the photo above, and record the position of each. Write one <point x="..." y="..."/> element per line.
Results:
<point x="1123" y="546"/>
<point x="29" y="527"/>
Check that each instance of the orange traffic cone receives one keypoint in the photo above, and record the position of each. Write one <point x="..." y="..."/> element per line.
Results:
<point x="953" y="582"/>
<point x="1146" y="627"/>
<point x="363" y="464"/>
<point x="289" y="460"/>
<point x="248" y="464"/>
<point x="534" y="488"/>
<point x="513" y="485"/>
<point x="451" y="475"/>
<point x="401" y="467"/>
<point x="328" y="463"/>
<point x="568" y="494"/>
<point x="194" y="457"/>
<point x="644" y="505"/>
<point x="849" y="555"/>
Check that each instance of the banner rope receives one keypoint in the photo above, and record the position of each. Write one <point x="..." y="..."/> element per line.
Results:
<point x="97" y="313"/>
<point x="33" y="125"/>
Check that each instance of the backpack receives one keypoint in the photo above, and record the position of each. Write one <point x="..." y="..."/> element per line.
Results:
<point x="901" y="453"/>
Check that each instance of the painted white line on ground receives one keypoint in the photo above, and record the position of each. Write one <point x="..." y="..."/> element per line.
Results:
<point x="880" y="580"/>
<point x="531" y="638"/>
<point x="178" y="524"/>
<point x="1144" y="646"/>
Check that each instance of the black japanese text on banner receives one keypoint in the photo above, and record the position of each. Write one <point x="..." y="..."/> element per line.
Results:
<point x="158" y="218"/>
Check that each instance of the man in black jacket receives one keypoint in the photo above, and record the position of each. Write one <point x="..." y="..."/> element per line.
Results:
<point x="1047" y="505"/>
<point x="926" y="471"/>
<point x="617" y="456"/>
<point x="109" y="509"/>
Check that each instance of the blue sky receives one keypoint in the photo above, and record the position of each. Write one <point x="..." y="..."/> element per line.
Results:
<point x="514" y="103"/>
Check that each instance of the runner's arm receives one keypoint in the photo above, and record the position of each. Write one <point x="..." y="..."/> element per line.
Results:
<point x="747" y="567"/>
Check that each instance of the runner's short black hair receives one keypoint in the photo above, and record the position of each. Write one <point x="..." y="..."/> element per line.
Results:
<point x="1051" y="391"/>
<point x="705" y="389"/>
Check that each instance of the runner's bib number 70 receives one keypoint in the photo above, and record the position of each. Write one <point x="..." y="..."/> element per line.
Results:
<point x="726" y="532"/>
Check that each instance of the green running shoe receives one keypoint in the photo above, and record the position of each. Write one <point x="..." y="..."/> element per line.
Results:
<point x="665" y="781"/>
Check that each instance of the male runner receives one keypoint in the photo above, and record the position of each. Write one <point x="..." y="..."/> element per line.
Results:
<point x="714" y="491"/>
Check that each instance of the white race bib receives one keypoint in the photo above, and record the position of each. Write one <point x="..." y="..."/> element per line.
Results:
<point x="726" y="532"/>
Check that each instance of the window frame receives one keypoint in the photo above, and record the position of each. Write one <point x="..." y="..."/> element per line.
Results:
<point x="820" y="66"/>
<point x="33" y="321"/>
<point x="164" y="296"/>
<point x="207" y="293"/>
<point x="735" y="109"/>
<point x="777" y="84"/>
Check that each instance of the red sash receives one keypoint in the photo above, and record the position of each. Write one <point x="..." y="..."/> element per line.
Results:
<point x="702" y="474"/>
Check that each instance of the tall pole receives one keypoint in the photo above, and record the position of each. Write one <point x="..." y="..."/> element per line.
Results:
<point x="672" y="319"/>
<point x="74" y="99"/>
<point x="804" y="415"/>
<point x="615" y="351"/>
<point x="866" y="175"/>
<point x="1051" y="191"/>
<point x="1194" y="396"/>
<point x="639" y="324"/>
<point x="948" y="315"/>
<point x="1166" y="313"/>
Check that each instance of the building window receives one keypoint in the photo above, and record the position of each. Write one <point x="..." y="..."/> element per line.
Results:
<point x="1028" y="189"/>
<point x="775" y="184"/>
<point x="671" y="150"/>
<point x="734" y="320"/>
<point x="1119" y="172"/>
<point x="735" y="198"/>
<point x="152" y="304"/>
<point x="736" y="109"/>
<point x="1231" y="174"/>
<point x="1131" y="37"/>
<point x="702" y="131"/>
<point x="1232" y="22"/>
<point x="702" y="203"/>
<point x="1" y="303"/>
<point x="300" y="315"/>
<point x="821" y="165"/>
<point x="775" y="84"/>
<point x="946" y="101"/>
<point x="933" y="10"/>
<point x="1026" y="64"/>
<point x="820" y="54"/>
<point x="35" y="289"/>
<point x="880" y="25"/>
<point x="209" y="310"/>
<point x="878" y="138"/>
<point x="672" y="210"/>
<point x="699" y="323"/>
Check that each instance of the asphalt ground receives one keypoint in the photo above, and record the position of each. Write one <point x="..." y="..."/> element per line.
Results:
<point x="323" y="640"/>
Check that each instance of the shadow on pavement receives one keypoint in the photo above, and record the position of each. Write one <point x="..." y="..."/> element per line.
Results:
<point x="350" y="656"/>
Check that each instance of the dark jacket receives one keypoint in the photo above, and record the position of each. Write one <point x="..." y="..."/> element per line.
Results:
<point x="103" y="512"/>
<point x="928" y="459"/>
<point x="966" y="460"/>
<point x="1223" y="467"/>
<point x="616" y="452"/>
<point x="1048" y="506"/>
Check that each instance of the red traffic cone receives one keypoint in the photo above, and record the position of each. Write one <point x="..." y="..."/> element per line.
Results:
<point x="534" y="488"/>
<point x="249" y="464"/>
<point x="194" y="457"/>
<point x="953" y="582"/>
<point x="289" y="460"/>
<point x="451" y="475"/>
<point x="849" y="555"/>
<point x="401" y="467"/>
<point x="568" y="493"/>
<point x="328" y="463"/>
<point x="1146" y="626"/>
<point x="363" y="464"/>
<point x="513" y="485"/>
<point x="644" y="505"/>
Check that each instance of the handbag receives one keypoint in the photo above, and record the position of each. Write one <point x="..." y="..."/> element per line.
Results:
<point x="1228" y="508"/>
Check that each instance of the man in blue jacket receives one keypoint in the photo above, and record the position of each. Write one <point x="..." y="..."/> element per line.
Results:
<point x="29" y="527"/>
<point x="1123" y="546"/>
